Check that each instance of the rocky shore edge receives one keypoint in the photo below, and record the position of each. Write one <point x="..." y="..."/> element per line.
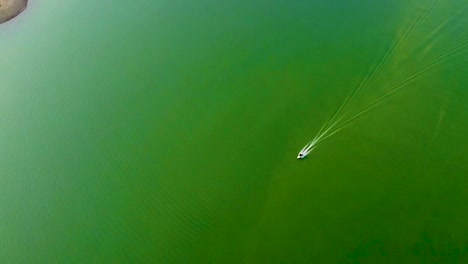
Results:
<point x="11" y="8"/>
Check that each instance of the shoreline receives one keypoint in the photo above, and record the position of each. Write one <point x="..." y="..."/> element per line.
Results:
<point x="10" y="9"/>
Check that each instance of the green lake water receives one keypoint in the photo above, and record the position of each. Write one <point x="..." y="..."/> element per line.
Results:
<point x="167" y="132"/>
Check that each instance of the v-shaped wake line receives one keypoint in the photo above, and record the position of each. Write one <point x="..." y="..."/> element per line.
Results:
<point x="322" y="134"/>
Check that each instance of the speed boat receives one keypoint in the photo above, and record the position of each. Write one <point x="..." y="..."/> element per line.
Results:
<point x="306" y="150"/>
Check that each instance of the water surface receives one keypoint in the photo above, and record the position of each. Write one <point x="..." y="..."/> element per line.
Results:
<point x="167" y="131"/>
